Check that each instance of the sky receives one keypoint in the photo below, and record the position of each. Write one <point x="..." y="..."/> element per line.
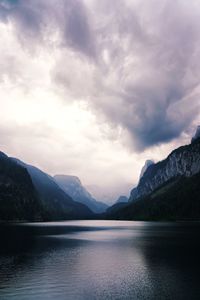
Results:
<point x="94" y="88"/>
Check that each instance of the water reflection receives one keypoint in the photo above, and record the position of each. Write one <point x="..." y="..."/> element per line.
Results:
<point x="100" y="260"/>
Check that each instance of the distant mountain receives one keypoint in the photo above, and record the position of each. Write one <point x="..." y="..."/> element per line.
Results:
<point x="56" y="203"/>
<point x="168" y="189"/>
<point x="101" y="194"/>
<point x="122" y="199"/>
<point x="18" y="197"/>
<point x="73" y="187"/>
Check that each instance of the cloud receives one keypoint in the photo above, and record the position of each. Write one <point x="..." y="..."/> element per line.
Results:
<point x="134" y="65"/>
<point x="131" y="66"/>
<point x="147" y="68"/>
<point x="42" y="21"/>
<point x="77" y="30"/>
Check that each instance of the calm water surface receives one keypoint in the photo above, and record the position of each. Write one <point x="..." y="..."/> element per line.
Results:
<point x="100" y="260"/>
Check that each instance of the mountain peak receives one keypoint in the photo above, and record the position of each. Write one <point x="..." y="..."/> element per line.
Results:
<point x="3" y="155"/>
<point x="197" y="134"/>
<point x="148" y="163"/>
<point x="183" y="161"/>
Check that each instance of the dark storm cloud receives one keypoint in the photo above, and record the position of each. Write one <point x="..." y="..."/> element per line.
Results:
<point x="135" y="62"/>
<point x="77" y="31"/>
<point x="155" y="92"/>
<point x="39" y="18"/>
<point x="150" y="84"/>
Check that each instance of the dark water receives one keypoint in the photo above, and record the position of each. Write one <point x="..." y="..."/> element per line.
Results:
<point x="100" y="260"/>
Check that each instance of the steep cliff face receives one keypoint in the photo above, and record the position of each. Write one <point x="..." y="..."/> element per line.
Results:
<point x="18" y="197"/>
<point x="184" y="161"/>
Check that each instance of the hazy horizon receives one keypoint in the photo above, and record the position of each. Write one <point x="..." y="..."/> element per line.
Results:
<point x="94" y="89"/>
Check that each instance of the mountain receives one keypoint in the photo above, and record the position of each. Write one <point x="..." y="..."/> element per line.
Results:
<point x="177" y="199"/>
<point x="57" y="205"/>
<point x="122" y="199"/>
<point x="73" y="187"/>
<point x="169" y="189"/>
<point x="184" y="161"/>
<point x="145" y="167"/>
<point x="18" y="197"/>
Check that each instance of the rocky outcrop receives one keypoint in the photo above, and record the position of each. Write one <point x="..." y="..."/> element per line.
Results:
<point x="145" y="167"/>
<point x="184" y="161"/>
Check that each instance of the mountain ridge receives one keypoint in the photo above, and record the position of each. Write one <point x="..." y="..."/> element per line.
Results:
<point x="179" y="162"/>
<point x="168" y="190"/>
<point x="57" y="204"/>
<point x="29" y="194"/>
<point x="177" y="199"/>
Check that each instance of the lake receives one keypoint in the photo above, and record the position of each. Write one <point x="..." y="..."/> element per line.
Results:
<point x="100" y="260"/>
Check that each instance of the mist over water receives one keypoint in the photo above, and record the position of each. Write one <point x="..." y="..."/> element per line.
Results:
<point x="100" y="260"/>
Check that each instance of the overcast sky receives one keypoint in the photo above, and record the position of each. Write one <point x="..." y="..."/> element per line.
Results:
<point x="94" y="88"/>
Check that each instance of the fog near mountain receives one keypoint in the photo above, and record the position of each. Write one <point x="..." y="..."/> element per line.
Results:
<point x="166" y="190"/>
<point x="111" y="193"/>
